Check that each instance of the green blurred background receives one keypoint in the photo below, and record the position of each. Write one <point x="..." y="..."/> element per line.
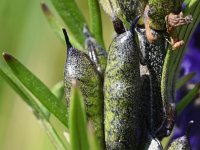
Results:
<point x="25" y="33"/>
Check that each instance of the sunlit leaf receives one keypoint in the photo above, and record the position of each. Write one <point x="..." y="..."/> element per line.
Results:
<point x="77" y="120"/>
<point x="37" y="88"/>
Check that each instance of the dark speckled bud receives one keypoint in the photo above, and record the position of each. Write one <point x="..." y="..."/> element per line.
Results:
<point x="153" y="55"/>
<point x="79" y="66"/>
<point x="121" y="88"/>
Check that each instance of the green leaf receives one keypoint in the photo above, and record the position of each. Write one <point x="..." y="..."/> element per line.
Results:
<point x="188" y="98"/>
<point x="184" y="79"/>
<point x="57" y="26"/>
<point x="37" y="88"/>
<point x="186" y="32"/>
<point x="167" y="75"/>
<point x="95" y="21"/>
<point x="94" y="145"/>
<point x="38" y="110"/>
<point x="8" y="76"/>
<point x="77" y="120"/>
<point x="54" y="137"/>
<point x="58" y="90"/>
<point x="72" y="16"/>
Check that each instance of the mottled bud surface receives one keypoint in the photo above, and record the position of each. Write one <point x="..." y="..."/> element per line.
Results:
<point x="121" y="87"/>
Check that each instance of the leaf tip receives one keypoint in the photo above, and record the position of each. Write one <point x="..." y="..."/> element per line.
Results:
<point x="7" y="56"/>
<point x="74" y="83"/>
<point x="44" y="7"/>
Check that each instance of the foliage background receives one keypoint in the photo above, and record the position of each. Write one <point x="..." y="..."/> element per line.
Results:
<point x="25" y="33"/>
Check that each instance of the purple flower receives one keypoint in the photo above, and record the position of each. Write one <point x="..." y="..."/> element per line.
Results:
<point x="191" y="63"/>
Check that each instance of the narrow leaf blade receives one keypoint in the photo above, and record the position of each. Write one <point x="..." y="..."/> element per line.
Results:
<point x="184" y="79"/>
<point x="72" y="16"/>
<point x="8" y="76"/>
<point x="188" y="98"/>
<point x="77" y="121"/>
<point x="94" y="145"/>
<point x="185" y="33"/>
<point x="95" y="21"/>
<point x="37" y="88"/>
<point x="58" y="90"/>
<point x="57" y="26"/>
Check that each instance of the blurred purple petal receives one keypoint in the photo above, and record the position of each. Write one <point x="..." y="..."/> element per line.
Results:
<point x="191" y="63"/>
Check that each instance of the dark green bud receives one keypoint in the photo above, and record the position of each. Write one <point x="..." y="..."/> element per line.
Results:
<point x="153" y="55"/>
<point x="121" y="88"/>
<point x="80" y="67"/>
<point x="145" y="106"/>
<point x="157" y="15"/>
